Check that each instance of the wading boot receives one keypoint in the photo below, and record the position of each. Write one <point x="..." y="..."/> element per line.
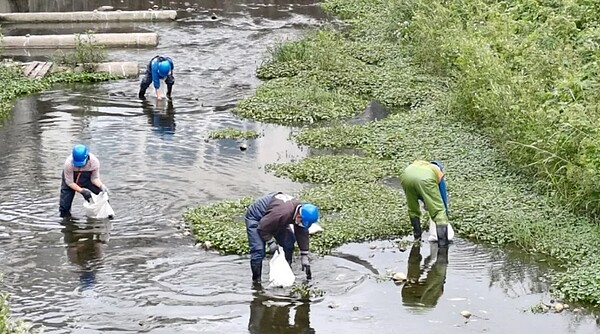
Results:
<point x="416" y="225"/>
<point x="169" y="90"/>
<point x="442" y="235"/>
<point x="256" y="267"/>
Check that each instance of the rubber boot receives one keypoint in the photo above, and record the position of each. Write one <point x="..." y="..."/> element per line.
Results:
<point x="442" y="235"/>
<point x="169" y="90"/>
<point x="142" y="93"/>
<point x="416" y="224"/>
<point x="256" y="267"/>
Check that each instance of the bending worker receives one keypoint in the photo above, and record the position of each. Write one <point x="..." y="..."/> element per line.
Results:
<point x="278" y="219"/>
<point x="423" y="180"/>
<point x="81" y="173"/>
<point x="158" y="68"/>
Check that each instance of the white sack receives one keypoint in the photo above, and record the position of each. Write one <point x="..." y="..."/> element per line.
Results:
<point x="280" y="273"/>
<point x="99" y="207"/>
<point x="433" y="231"/>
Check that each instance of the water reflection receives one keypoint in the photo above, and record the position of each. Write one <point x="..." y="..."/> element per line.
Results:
<point x="282" y="317"/>
<point x="85" y="247"/>
<point x="425" y="292"/>
<point x="161" y="115"/>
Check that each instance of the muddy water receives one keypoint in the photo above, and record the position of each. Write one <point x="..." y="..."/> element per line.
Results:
<point x="140" y="273"/>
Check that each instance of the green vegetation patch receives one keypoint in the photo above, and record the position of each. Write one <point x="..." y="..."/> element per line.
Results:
<point x="348" y="217"/>
<point x="9" y="325"/>
<point x="297" y="100"/>
<point x="16" y="84"/>
<point x="232" y="133"/>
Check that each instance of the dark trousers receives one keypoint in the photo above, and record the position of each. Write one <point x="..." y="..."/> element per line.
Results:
<point x="147" y="80"/>
<point x="84" y="180"/>
<point x="285" y="238"/>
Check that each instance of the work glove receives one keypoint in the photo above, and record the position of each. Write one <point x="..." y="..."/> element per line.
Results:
<point x="305" y="264"/>
<point x="105" y="189"/>
<point x="87" y="194"/>
<point x="272" y="246"/>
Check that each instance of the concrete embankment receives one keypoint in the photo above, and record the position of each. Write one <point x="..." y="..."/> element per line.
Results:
<point x="70" y="41"/>
<point x="127" y="69"/>
<point x="93" y="16"/>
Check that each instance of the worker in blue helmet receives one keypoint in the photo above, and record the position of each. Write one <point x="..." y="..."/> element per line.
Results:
<point x="279" y="219"/>
<point x="81" y="173"/>
<point x="159" y="67"/>
<point x="425" y="181"/>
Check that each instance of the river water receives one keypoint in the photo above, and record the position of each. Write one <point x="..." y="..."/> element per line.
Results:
<point x="140" y="273"/>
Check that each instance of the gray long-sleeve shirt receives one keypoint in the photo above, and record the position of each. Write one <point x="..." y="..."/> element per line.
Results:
<point x="279" y="215"/>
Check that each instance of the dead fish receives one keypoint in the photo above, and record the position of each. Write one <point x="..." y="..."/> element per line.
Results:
<point x="466" y="314"/>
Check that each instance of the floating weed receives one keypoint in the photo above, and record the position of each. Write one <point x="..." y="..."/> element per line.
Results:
<point x="334" y="169"/>
<point x="232" y="133"/>
<point x="305" y="291"/>
<point x="295" y="101"/>
<point x="347" y="209"/>
<point x="222" y="225"/>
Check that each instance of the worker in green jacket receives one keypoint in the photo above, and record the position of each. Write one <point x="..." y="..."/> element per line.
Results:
<point x="424" y="180"/>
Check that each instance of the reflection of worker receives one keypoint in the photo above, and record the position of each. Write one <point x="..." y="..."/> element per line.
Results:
<point x="423" y="180"/>
<point x="85" y="248"/>
<point x="278" y="219"/>
<point x="163" y="120"/>
<point x="158" y="68"/>
<point x="276" y="319"/>
<point x="81" y="173"/>
<point x="425" y="292"/>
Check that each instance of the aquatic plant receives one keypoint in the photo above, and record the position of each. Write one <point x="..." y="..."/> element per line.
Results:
<point x="87" y="54"/>
<point x="305" y="291"/>
<point x="232" y="133"/>
<point x="9" y="325"/>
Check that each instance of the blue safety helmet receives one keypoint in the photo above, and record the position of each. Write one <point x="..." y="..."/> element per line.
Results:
<point x="80" y="155"/>
<point x="164" y="67"/>
<point x="439" y="164"/>
<point x="309" y="213"/>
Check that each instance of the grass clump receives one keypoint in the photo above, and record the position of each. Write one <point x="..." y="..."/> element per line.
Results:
<point x="87" y="54"/>
<point x="232" y="133"/>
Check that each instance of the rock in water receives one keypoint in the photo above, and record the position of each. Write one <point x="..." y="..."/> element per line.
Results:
<point x="399" y="277"/>
<point x="558" y="307"/>
<point x="243" y="146"/>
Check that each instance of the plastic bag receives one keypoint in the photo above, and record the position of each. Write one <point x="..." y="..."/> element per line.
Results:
<point x="99" y="207"/>
<point x="280" y="273"/>
<point x="433" y="231"/>
<point x="315" y="228"/>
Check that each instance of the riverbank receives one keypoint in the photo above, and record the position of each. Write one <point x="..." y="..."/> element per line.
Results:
<point x="331" y="76"/>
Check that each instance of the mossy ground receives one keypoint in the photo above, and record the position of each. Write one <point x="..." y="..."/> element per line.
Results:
<point x="331" y="75"/>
